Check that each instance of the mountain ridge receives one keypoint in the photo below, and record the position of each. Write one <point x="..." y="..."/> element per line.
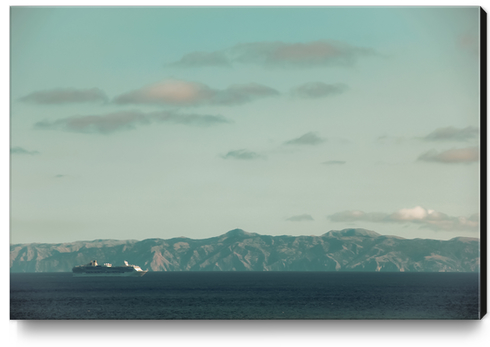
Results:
<point x="238" y="250"/>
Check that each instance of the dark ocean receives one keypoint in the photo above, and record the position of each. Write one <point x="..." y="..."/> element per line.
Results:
<point x="246" y="295"/>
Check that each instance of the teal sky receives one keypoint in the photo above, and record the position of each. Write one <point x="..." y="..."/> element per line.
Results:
<point x="134" y="123"/>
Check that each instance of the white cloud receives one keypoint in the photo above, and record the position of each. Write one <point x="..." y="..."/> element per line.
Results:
<point x="169" y="92"/>
<point x="280" y="54"/>
<point x="426" y="218"/>
<point x="453" y="134"/>
<point x="452" y="156"/>
<point x="184" y="93"/>
<point x="410" y="214"/>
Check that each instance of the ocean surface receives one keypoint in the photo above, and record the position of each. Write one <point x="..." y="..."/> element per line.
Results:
<point x="246" y="295"/>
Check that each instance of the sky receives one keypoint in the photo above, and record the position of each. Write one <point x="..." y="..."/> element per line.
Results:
<point x="135" y="123"/>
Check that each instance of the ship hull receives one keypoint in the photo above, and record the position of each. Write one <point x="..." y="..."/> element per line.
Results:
<point x="102" y="274"/>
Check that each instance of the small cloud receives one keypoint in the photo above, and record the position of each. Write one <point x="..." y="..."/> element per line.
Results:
<point x="242" y="154"/>
<point x="300" y="218"/>
<point x="188" y="119"/>
<point x="242" y="93"/>
<point x="426" y="218"/>
<point x="22" y="151"/>
<point x="184" y="93"/>
<point x="96" y="123"/>
<point x="280" y="54"/>
<point x="435" y="220"/>
<point x="409" y="214"/>
<point x="199" y="59"/>
<point x="334" y="162"/>
<point x="65" y="96"/>
<point x="452" y="156"/>
<point x="169" y="92"/>
<point x="310" y="138"/>
<point x="453" y="134"/>
<point x="127" y="120"/>
<point x="317" y="90"/>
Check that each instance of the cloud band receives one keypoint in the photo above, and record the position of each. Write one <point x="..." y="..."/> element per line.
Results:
<point x="418" y="215"/>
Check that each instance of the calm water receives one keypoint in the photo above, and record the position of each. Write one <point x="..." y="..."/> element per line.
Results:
<point x="246" y="295"/>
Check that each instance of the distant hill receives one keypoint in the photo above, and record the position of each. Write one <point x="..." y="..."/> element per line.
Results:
<point x="238" y="250"/>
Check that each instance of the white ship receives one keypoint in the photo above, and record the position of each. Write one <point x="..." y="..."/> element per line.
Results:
<point x="95" y="270"/>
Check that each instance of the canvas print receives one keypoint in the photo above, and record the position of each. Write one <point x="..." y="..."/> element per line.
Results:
<point x="243" y="163"/>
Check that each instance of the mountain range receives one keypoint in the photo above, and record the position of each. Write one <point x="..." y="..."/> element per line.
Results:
<point x="238" y="250"/>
